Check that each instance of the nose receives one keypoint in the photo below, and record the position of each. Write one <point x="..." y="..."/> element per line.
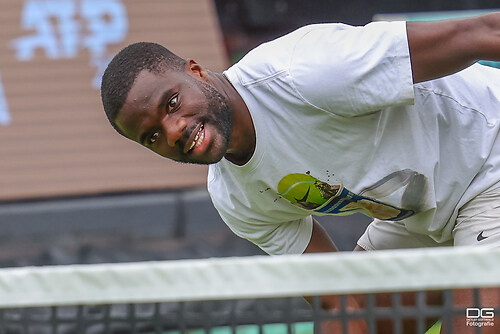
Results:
<point x="173" y="128"/>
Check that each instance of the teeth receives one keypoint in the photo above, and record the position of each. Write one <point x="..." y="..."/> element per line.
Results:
<point x="198" y="139"/>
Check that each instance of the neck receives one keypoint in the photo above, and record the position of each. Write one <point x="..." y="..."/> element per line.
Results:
<point x="242" y="142"/>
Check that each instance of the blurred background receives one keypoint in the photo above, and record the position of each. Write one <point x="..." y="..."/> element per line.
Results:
<point x="74" y="191"/>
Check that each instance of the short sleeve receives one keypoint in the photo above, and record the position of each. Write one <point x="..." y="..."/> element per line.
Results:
<point x="350" y="70"/>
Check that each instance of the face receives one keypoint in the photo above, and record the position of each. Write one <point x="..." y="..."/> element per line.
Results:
<point x="177" y="115"/>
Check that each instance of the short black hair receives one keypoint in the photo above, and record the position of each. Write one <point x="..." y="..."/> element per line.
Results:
<point x="123" y="69"/>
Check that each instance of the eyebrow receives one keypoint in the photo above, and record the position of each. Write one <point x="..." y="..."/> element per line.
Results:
<point x="162" y="102"/>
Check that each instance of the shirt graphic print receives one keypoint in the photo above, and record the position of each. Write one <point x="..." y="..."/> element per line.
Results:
<point x="307" y="192"/>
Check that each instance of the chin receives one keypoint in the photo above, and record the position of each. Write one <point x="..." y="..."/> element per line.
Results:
<point x="206" y="159"/>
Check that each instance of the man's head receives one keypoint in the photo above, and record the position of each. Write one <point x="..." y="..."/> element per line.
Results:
<point x="167" y="104"/>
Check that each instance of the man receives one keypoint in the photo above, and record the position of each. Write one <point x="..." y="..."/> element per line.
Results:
<point x="333" y="119"/>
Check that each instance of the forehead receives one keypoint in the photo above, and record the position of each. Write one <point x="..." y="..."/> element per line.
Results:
<point x="140" y="102"/>
<point x="144" y="87"/>
<point x="148" y="87"/>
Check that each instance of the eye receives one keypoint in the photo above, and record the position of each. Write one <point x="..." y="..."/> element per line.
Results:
<point x="172" y="103"/>
<point x="154" y="138"/>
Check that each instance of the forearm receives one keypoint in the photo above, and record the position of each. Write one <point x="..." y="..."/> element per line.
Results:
<point x="320" y="240"/>
<point x="351" y="324"/>
<point x="320" y="243"/>
<point x="439" y="48"/>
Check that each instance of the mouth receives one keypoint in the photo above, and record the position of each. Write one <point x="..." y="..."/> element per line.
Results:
<point x="196" y="138"/>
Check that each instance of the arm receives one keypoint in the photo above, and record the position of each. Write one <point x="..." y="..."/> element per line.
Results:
<point x="440" y="48"/>
<point x="321" y="242"/>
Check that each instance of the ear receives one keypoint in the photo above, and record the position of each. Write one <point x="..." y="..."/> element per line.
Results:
<point x="195" y="69"/>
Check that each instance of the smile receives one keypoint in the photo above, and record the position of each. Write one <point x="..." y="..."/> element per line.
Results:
<point x="198" y="139"/>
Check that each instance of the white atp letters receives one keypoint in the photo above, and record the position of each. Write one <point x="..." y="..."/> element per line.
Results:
<point x="38" y="15"/>
<point x="62" y="28"/>
<point x="108" y="24"/>
<point x="102" y="31"/>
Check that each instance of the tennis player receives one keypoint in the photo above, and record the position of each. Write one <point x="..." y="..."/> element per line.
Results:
<point x="393" y="119"/>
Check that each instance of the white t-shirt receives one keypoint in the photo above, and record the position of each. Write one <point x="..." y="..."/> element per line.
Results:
<point x="341" y="128"/>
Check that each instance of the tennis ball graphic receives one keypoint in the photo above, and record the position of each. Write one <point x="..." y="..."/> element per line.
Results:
<point x="302" y="189"/>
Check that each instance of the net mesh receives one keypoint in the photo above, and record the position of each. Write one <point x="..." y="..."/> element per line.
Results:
<point x="253" y="295"/>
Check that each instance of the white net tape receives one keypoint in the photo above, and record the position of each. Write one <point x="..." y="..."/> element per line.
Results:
<point x="251" y="277"/>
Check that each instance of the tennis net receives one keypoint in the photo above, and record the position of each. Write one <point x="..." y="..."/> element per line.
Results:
<point x="252" y="295"/>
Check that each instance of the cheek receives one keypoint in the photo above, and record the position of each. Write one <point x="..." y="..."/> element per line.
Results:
<point x="162" y="150"/>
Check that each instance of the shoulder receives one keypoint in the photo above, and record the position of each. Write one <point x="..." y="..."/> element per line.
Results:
<point x="275" y="57"/>
<point x="306" y="40"/>
<point x="353" y="69"/>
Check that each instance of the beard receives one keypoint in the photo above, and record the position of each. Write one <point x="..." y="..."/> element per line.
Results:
<point x="220" y="117"/>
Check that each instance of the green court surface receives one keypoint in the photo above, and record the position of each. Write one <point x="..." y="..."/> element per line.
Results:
<point x="298" y="328"/>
